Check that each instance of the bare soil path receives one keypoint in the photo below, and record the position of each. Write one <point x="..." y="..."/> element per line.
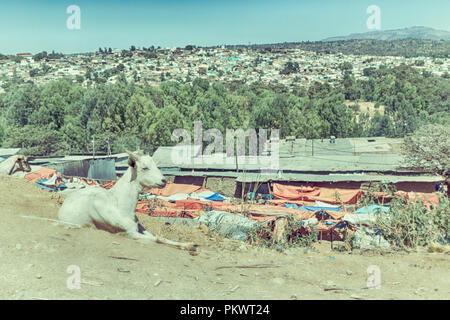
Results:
<point x="35" y="256"/>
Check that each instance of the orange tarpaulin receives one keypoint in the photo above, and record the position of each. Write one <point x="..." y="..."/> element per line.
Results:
<point x="195" y="204"/>
<point x="91" y="182"/>
<point x="428" y="199"/>
<point x="174" y="188"/>
<point x="109" y="185"/>
<point x="44" y="173"/>
<point x="328" y="195"/>
<point x="195" y="207"/>
<point x="282" y="202"/>
<point x="167" y="210"/>
<point x="281" y="191"/>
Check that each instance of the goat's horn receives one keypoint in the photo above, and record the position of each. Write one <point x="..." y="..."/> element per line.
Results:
<point x="132" y="155"/>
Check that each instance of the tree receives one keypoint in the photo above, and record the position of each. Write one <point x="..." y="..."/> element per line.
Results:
<point x="307" y="124"/>
<point x="290" y="67"/>
<point x="73" y="135"/>
<point x="126" y="54"/>
<point x="46" y="68"/>
<point x="150" y="55"/>
<point x="34" y="72"/>
<point x="79" y="78"/>
<point x="35" y="140"/>
<point x="167" y="120"/>
<point x="419" y="63"/>
<point x="429" y="148"/>
<point x="3" y="127"/>
<point x="271" y="112"/>
<point x="381" y="126"/>
<point x="39" y="56"/>
<point x="139" y="114"/>
<point x="120" y="67"/>
<point x="346" y="67"/>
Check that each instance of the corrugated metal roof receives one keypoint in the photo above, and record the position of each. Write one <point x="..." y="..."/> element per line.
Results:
<point x="228" y="174"/>
<point x="166" y="158"/>
<point x="260" y="177"/>
<point x="254" y="177"/>
<point x="8" y="152"/>
<point x="41" y="160"/>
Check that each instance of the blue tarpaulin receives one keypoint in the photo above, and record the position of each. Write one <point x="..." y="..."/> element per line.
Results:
<point x="50" y="187"/>
<point x="43" y="186"/>
<point x="311" y="208"/>
<point x="215" y="197"/>
<point x="373" y="208"/>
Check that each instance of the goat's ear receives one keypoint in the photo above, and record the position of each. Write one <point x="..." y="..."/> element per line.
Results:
<point x="132" y="162"/>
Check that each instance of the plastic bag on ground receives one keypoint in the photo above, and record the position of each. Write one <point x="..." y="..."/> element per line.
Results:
<point x="227" y="225"/>
<point x="360" y="219"/>
<point x="366" y="239"/>
<point x="309" y="222"/>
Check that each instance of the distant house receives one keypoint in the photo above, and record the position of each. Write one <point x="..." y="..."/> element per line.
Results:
<point x="24" y="55"/>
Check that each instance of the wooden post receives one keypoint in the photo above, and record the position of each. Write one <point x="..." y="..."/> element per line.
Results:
<point x="93" y="148"/>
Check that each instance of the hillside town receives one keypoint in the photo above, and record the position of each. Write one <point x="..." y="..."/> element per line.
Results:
<point x="288" y="67"/>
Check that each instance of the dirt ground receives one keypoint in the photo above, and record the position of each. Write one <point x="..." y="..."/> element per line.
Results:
<point x="36" y="256"/>
<point x="366" y="107"/>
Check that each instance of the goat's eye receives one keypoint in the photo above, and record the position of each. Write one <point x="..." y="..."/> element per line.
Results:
<point x="145" y="169"/>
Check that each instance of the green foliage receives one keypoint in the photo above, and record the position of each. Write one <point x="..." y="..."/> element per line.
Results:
<point x="3" y="127"/>
<point x="411" y="224"/>
<point x="346" y="66"/>
<point x="124" y="114"/>
<point x="42" y="140"/>
<point x="429" y="148"/>
<point x="403" y="47"/>
<point x="39" y="56"/>
<point x="419" y="63"/>
<point x="263" y="235"/>
<point x="290" y="67"/>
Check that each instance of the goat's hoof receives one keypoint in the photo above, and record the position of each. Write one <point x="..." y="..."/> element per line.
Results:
<point x="192" y="247"/>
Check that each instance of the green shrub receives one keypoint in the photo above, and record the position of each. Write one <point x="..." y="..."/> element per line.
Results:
<point x="412" y="224"/>
<point x="263" y="235"/>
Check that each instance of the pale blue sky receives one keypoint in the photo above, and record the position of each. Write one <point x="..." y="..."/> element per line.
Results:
<point x="33" y="26"/>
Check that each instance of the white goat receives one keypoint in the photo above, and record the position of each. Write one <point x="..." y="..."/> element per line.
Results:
<point x="114" y="210"/>
<point x="14" y="164"/>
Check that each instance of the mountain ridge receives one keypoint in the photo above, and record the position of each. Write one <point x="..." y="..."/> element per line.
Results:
<point x="416" y="32"/>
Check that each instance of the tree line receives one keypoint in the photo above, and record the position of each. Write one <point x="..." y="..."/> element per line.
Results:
<point x="408" y="48"/>
<point x="63" y="117"/>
